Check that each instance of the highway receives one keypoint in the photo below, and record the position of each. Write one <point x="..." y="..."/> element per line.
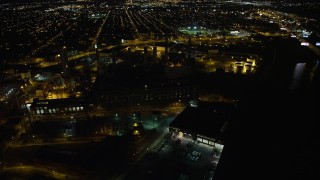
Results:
<point x="279" y="19"/>
<point x="45" y="172"/>
<point x="209" y="40"/>
<point x="58" y="141"/>
<point x="310" y="46"/>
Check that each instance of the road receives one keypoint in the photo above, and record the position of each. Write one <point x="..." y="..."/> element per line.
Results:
<point x="58" y="141"/>
<point x="279" y="16"/>
<point x="31" y="170"/>
<point x="148" y="143"/>
<point x="140" y="42"/>
<point x="311" y="46"/>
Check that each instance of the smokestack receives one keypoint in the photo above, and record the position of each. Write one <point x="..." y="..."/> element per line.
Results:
<point x="113" y="56"/>
<point x="99" y="63"/>
<point x="145" y="55"/>
<point x="97" y="53"/>
<point x="189" y="48"/>
<point x="129" y="57"/>
<point x="166" y="48"/>
<point x="154" y="53"/>
<point x="64" y="61"/>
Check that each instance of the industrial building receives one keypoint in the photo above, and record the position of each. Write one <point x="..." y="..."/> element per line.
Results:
<point x="58" y="106"/>
<point x="204" y="122"/>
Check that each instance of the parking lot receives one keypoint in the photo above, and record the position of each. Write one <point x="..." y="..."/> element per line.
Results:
<point x="178" y="157"/>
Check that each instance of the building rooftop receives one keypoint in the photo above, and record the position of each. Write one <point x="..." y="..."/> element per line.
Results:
<point x="207" y="119"/>
<point x="60" y="102"/>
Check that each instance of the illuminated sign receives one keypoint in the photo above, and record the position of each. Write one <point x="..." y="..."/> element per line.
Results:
<point x="304" y="44"/>
<point x="317" y="43"/>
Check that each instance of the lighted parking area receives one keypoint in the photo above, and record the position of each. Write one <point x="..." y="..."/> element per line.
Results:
<point x="185" y="154"/>
<point x="193" y="152"/>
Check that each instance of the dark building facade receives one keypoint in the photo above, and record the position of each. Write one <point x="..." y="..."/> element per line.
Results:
<point x="59" y="106"/>
<point x="146" y="96"/>
<point x="205" y="123"/>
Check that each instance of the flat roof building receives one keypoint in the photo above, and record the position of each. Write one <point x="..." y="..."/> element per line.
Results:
<point x="58" y="106"/>
<point x="206" y="122"/>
